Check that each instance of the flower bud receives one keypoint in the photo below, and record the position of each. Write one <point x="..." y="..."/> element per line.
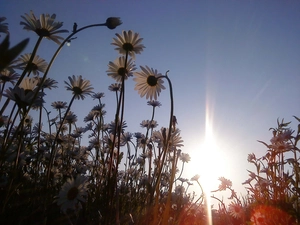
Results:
<point x="113" y="22"/>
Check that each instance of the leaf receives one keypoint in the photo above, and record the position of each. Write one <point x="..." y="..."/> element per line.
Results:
<point x="268" y="146"/>
<point x="296" y="118"/>
<point x="8" y="55"/>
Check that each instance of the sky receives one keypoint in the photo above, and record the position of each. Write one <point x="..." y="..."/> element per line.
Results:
<point x="234" y="65"/>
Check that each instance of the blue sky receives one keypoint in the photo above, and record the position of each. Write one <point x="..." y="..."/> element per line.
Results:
<point x="239" y="59"/>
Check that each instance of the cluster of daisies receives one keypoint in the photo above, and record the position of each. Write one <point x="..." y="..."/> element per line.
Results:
<point x="53" y="165"/>
<point x="53" y="170"/>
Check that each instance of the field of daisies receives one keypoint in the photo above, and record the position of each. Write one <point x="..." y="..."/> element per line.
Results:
<point x="48" y="176"/>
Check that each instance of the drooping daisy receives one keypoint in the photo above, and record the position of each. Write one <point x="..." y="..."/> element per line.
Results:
<point x="79" y="86"/>
<point x="44" y="27"/>
<point x="128" y="42"/>
<point x="3" y="26"/>
<point x="148" y="83"/>
<point x="72" y="194"/>
<point x="37" y="65"/>
<point x="235" y="210"/>
<point x="117" y="69"/>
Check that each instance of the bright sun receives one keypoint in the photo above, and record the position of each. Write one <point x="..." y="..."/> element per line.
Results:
<point x="208" y="158"/>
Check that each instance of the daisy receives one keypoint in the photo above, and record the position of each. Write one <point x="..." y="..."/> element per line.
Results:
<point x="98" y="95"/>
<point x="20" y="96"/>
<point x="195" y="178"/>
<point x="98" y="110"/>
<point x="59" y="105"/>
<point x="44" y="27"/>
<point x="148" y="83"/>
<point x="117" y="71"/>
<point x="147" y="124"/>
<point x="185" y="158"/>
<point x="114" y="87"/>
<point x="8" y="76"/>
<point x="71" y="118"/>
<point x="160" y="137"/>
<point x="72" y="194"/>
<point x="37" y="65"/>
<point x="154" y="103"/>
<point x="29" y="84"/>
<point x="235" y="210"/>
<point x="48" y="83"/>
<point x="79" y="86"/>
<point x="225" y="183"/>
<point x="3" y="26"/>
<point x="128" y="42"/>
<point x="112" y="126"/>
<point x="125" y="138"/>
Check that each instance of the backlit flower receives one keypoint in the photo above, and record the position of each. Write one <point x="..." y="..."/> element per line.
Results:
<point x="72" y="194"/>
<point x="70" y="118"/>
<point x="21" y="97"/>
<point x="117" y="69"/>
<point x="29" y="84"/>
<point x="3" y="26"/>
<point x="225" y="183"/>
<point x="98" y="95"/>
<point x="8" y="76"/>
<point x="161" y="137"/>
<point x="37" y="65"/>
<point x="195" y="178"/>
<point x="59" y="105"/>
<point x="44" y="27"/>
<point x="79" y="86"/>
<point x="184" y="157"/>
<point x="235" y="210"/>
<point x="148" y="83"/>
<point x="128" y="42"/>
<point x="154" y="103"/>
<point x="149" y="124"/>
<point x="48" y="83"/>
<point x="114" y="87"/>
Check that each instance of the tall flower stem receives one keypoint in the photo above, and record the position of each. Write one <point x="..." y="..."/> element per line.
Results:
<point x="117" y="133"/>
<point x="165" y="149"/>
